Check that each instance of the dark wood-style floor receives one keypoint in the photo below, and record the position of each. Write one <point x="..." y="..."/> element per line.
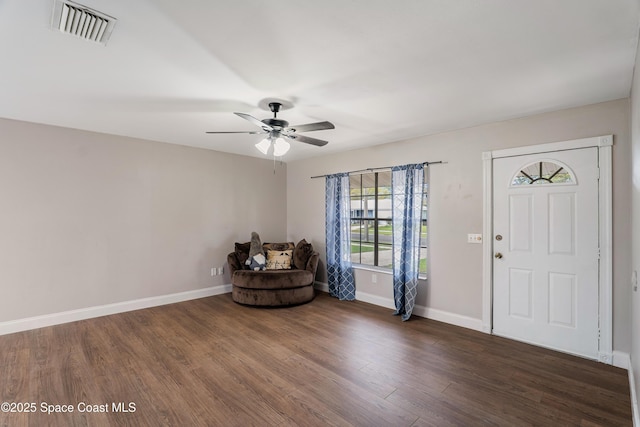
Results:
<point x="213" y="362"/>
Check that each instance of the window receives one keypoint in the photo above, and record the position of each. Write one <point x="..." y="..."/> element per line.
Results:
<point x="545" y="172"/>
<point x="371" y="227"/>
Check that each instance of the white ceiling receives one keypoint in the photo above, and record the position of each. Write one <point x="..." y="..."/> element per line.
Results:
<point x="380" y="70"/>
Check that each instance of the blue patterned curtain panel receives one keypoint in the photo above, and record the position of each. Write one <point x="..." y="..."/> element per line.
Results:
<point x="338" y="234"/>
<point x="407" y="183"/>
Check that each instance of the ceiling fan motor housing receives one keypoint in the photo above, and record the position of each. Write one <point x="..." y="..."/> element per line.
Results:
<point x="276" y="123"/>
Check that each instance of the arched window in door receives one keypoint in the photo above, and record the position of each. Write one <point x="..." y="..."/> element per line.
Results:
<point x="543" y="172"/>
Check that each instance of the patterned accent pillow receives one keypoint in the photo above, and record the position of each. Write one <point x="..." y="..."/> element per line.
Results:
<point x="278" y="246"/>
<point x="279" y="260"/>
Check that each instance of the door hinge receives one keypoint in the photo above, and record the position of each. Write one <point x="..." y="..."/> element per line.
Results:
<point x="598" y="253"/>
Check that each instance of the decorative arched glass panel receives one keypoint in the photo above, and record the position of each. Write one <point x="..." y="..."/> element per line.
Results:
<point x="544" y="172"/>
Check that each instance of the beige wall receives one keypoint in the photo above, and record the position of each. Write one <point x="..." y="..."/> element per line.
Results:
<point x="635" y="195"/>
<point x="88" y="219"/>
<point x="455" y="284"/>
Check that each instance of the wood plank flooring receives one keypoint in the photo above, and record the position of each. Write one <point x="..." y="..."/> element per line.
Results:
<point x="327" y="363"/>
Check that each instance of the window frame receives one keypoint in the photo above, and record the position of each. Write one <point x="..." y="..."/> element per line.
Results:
<point x="375" y="218"/>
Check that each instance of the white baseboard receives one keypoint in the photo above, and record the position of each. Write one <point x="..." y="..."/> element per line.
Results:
<point x="418" y="310"/>
<point x="634" y="396"/>
<point x="375" y="300"/>
<point x="620" y="359"/>
<point x="324" y="287"/>
<point x="19" y="325"/>
<point x="447" y="317"/>
<point x="426" y="312"/>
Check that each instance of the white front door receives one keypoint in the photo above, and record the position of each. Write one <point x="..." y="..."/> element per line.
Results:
<point x="546" y="256"/>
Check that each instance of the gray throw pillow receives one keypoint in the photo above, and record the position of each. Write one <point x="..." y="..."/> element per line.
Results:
<point x="301" y="254"/>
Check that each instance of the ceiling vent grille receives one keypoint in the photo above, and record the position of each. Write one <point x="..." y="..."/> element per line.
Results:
<point x="82" y="22"/>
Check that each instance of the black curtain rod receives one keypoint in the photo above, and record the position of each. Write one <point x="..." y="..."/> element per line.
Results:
<point x="376" y="169"/>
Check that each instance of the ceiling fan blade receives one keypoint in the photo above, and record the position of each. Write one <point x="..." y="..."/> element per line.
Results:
<point x="306" y="139"/>
<point x="312" y="126"/>
<point x="254" y="121"/>
<point x="244" y="131"/>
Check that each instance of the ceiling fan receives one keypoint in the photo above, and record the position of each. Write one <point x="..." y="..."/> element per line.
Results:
<point x="278" y="131"/>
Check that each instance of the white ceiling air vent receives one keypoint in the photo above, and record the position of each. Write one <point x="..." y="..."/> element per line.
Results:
<point x="81" y="21"/>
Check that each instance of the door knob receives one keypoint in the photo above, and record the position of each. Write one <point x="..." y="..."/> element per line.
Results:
<point x="498" y="255"/>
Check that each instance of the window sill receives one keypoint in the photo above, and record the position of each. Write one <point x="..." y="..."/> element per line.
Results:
<point x="373" y="268"/>
<point x="382" y="270"/>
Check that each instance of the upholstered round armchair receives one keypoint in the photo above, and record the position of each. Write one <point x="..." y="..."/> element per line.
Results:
<point x="282" y="283"/>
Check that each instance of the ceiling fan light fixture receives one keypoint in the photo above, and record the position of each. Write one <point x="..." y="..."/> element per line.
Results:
<point x="280" y="147"/>
<point x="264" y="146"/>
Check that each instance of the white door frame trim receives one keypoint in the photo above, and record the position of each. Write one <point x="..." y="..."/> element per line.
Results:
<point x="605" y="220"/>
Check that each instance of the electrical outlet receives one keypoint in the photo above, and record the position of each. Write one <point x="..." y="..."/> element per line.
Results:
<point x="374" y="278"/>
<point x="220" y="271"/>
<point x="474" y="238"/>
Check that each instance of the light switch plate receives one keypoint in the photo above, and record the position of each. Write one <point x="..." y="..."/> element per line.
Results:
<point x="474" y="238"/>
